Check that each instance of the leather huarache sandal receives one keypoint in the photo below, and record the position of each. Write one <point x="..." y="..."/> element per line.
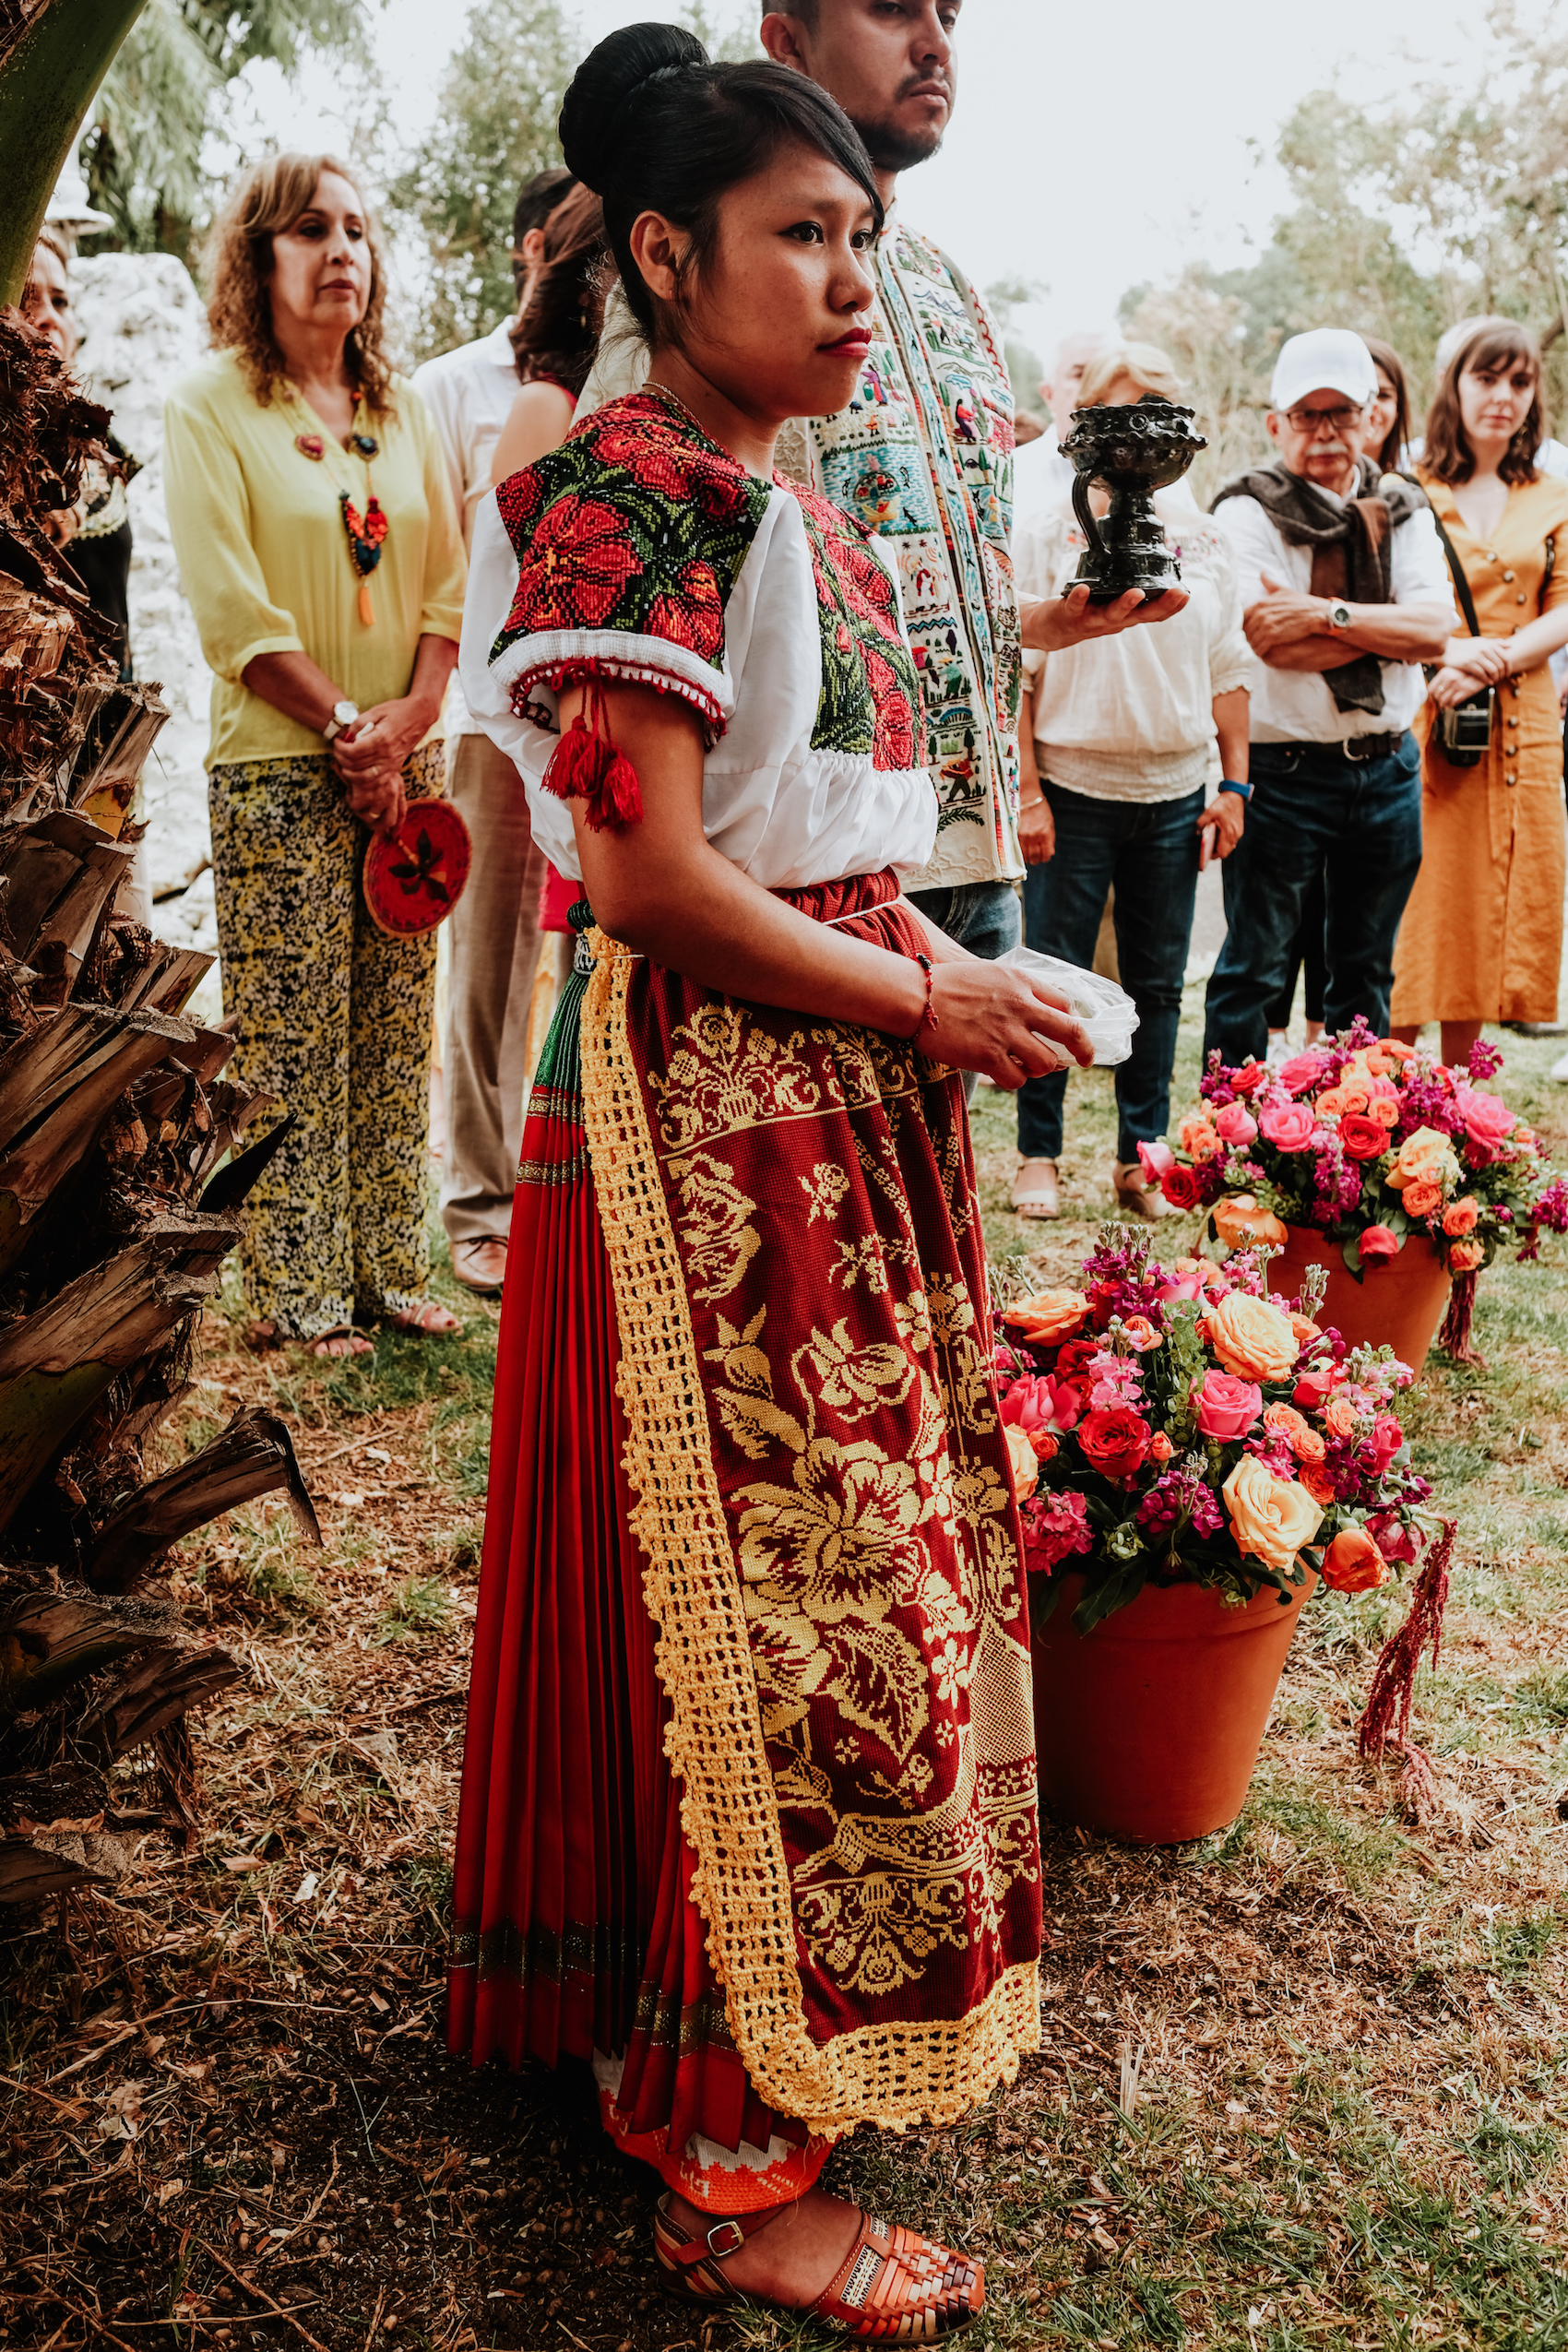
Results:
<point x="892" y="2287"/>
<point x="1036" y="1192"/>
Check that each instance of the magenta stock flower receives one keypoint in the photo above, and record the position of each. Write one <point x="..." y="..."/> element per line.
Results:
<point x="1056" y="1528"/>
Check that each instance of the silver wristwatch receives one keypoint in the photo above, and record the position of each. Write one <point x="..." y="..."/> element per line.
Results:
<point x="343" y="715"/>
<point x="1339" y="615"/>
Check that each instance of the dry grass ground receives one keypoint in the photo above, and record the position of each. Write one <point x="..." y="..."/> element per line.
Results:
<point x="1304" y="2085"/>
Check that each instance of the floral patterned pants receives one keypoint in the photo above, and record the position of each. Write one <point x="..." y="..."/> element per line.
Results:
<point x="334" y="1019"/>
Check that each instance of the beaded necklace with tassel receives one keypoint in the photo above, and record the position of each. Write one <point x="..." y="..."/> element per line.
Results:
<point x="366" y="533"/>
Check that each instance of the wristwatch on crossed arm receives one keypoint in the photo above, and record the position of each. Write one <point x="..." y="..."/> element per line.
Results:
<point x="1339" y="614"/>
<point x="344" y="714"/>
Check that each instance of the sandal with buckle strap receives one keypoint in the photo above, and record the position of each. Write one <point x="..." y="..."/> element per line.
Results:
<point x="893" y="2286"/>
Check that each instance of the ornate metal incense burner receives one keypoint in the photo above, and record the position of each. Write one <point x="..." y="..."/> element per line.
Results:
<point x="1134" y="450"/>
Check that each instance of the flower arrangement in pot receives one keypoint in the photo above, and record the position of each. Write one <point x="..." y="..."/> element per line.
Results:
<point x="1191" y="1454"/>
<point x="1366" y="1155"/>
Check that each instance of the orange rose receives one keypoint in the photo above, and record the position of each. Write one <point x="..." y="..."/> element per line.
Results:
<point x="1331" y="1102"/>
<point x="1238" y="1220"/>
<point x="1460" y="1215"/>
<point x="1270" y="1517"/>
<point x="1421" y="1199"/>
<point x="1319" y="1487"/>
<point x="1046" y="1446"/>
<point x="1021" y="1460"/>
<point x="1141" y="1334"/>
<point x="1353" y="1564"/>
<point x="1377" y="1060"/>
<point x="1048" y="1314"/>
<point x="1465" y="1256"/>
<point x="1385" y="1111"/>
<point x="1198" y="1139"/>
<point x="1253" y="1339"/>
<point x="1340" y="1415"/>
<point x="1304" y="1328"/>
<point x="1397" y="1049"/>
<point x="1304" y="1442"/>
<point x="1159" y="1447"/>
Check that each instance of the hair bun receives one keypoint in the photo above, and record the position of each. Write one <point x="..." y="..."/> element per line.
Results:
<point x="608" y="78"/>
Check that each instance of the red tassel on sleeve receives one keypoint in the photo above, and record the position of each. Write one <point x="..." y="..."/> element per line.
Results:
<point x="586" y="765"/>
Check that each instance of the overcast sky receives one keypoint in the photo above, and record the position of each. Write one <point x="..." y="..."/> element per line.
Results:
<point x="1093" y="145"/>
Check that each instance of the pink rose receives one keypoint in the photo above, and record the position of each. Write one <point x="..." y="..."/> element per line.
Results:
<point x="1386" y="1439"/>
<point x="1042" y="1404"/>
<point x="1301" y="1073"/>
<point x="1487" y="1119"/>
<point x="1378" y="1245"/>
<point x="1183" y="1285"/>
<point x="1289" y="1126"/>
<point x="1235" y="1124"/>
<point x="1154" y="1158"/>
<point x="1226" y="1406"/>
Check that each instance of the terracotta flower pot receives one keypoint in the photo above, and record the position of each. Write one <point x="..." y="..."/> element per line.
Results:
<point x="1148" y="1728"/>
<point x="1399" y="1304"/>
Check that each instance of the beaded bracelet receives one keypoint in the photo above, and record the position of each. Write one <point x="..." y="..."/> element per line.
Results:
<point x="928" y="1015"/>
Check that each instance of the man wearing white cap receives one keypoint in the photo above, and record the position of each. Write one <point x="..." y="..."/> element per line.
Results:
<point x="1345" y="594"/>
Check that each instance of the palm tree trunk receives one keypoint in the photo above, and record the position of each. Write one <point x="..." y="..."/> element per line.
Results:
<point x="53" y="53"/>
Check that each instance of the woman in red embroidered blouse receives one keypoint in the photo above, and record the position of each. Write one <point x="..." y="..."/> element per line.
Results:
<point x="748" y="1813"/>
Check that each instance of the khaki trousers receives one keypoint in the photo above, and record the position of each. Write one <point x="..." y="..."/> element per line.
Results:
<point x="494" y="930"/>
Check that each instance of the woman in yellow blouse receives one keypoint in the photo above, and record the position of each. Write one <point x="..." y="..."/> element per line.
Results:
<point x="1483" y="935"/>
<point x="318" y="547"/>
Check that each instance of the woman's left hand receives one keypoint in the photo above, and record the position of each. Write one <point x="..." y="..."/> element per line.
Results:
<point x="1483" y="658"/>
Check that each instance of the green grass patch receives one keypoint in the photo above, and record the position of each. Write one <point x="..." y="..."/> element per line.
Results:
<point x="417" y="1608"/>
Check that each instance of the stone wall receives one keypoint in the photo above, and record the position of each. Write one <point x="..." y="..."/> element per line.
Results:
<point x="143" y="326"/>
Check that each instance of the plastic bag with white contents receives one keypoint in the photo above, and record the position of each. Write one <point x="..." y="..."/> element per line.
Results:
<point x="1108" y="1014"/>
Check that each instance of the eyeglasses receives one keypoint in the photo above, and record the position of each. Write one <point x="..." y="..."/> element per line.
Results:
<point x="1313" y="420"/>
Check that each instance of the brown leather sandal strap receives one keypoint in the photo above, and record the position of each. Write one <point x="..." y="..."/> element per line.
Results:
<point x="905" y="2289"/>
<point x="723" y="2237"/>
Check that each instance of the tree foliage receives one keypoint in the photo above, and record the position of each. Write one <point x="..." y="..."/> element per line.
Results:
<point x="494" y="128"/>
<point x="142" y="154"/>
<point x="1403" y="220"/>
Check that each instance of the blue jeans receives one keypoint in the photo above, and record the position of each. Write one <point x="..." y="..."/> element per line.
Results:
<point x="1358" y="822"/>
<point x="1148" y="849"/>
<point x="981" y="916"/>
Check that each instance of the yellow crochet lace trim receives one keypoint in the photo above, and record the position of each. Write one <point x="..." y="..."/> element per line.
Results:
<point x="888" y="2075"/>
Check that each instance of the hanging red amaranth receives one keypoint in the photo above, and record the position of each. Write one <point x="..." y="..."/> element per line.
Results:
<point x="1454" y="1337"/>
<point x="586" y="765"/>
<point x="1386" y="1721"/>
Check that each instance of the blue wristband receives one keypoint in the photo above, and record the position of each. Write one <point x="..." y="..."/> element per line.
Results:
<point x="1244" y="789"/>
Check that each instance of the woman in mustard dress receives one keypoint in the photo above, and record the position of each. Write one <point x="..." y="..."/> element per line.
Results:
<point x="1483" y="935"/>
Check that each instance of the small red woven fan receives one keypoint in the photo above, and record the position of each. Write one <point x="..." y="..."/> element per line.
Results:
<point x="414" y="877"/>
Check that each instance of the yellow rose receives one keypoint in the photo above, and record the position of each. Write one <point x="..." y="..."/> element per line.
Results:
<point x="1048" y="1314"/>
<point x="1238" y="1220"/>
<point x="1424" y="1157"/>
<point x="1022" y="1460"/>
<point x="1270" y="1517"/>
<point x="1253" y="1339"/>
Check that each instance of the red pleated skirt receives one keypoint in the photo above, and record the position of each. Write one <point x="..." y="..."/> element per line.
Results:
<point x="574" y="1931"/>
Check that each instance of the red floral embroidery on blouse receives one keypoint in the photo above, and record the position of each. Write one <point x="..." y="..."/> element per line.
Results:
<point x="517" y="498"/>
<point x="653" y="448"/>
<point x="691" y="614"/>
<point x="893" y="742"/>
<point x="576" y="563"/>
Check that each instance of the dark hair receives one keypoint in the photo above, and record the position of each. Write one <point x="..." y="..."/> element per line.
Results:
<point x="1390" y="456"/>
<point x="536" y="199"/>
<point x="1447" y="455"/>
<point x="654" y="125"/>
<point x="557" y="335"/>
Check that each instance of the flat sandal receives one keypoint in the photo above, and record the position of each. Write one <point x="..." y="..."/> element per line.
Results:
<point x="892" y="2287"/>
